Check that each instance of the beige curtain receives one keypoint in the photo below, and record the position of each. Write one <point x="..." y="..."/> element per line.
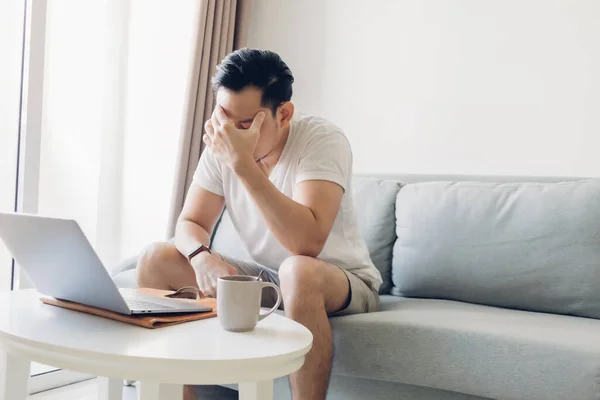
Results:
<point x="222" y="26"/>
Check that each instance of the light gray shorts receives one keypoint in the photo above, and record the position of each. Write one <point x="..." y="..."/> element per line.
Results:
<point x="361" y="298"/>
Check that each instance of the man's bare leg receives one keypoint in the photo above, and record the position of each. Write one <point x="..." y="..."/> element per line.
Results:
<point x="162" y="266"/>
<point x="311" y="289"/>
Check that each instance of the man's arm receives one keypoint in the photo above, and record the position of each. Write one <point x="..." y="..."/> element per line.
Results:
<point x="301" y="224"/>
<point x="197" y="220"/>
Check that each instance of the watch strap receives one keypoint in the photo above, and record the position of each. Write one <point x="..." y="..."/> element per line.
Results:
<point x="197" y="251"/>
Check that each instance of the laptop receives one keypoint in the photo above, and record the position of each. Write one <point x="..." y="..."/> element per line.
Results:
<point x="60" y="262"/>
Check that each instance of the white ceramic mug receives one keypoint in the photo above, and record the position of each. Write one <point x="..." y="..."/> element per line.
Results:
<point x="238" y="302"/>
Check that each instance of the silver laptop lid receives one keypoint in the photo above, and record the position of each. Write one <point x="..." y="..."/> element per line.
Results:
<point x="58" y="259"/>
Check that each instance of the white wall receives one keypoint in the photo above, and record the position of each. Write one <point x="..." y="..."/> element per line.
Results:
<point x="437" y="86"/>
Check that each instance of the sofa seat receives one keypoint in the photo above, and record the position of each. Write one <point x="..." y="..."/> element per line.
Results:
<point x="473" y="349"/>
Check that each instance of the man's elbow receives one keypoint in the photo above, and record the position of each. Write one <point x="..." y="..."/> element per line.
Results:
<point x="309" y="248"/>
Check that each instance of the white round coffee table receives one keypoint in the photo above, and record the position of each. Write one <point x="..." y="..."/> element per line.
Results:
<point x="164" y="359"/>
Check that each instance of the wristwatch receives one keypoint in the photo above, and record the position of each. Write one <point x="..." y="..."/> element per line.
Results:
<point x="197" y="251"/>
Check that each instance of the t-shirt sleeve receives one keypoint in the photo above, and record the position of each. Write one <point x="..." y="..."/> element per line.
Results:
<point x="209" y="173"/>
<point x="326" y="157"/>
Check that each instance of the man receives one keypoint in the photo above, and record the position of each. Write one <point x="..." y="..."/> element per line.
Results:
<point x="286" y="182"/>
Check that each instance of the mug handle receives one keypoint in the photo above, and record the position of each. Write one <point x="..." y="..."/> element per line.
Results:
<point x="277" y="303"/>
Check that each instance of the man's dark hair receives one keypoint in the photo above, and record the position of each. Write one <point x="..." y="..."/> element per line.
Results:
<point x="262" y="69"/>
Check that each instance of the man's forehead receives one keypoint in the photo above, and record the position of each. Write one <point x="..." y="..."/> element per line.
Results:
<point x="238" y="115"/>
<point x="241" y="105"/>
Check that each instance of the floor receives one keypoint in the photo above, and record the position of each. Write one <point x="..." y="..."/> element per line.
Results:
<point x="87" y="390"/>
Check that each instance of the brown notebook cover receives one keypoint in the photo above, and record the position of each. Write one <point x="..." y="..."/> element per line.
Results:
<point x="147" y="321"/>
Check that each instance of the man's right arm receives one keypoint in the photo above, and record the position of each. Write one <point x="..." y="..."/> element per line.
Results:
<point x="197" y="220"/>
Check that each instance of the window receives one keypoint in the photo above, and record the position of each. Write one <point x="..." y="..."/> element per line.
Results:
<point x="22" y="67"/>
<point x="12" y="15"/>
<point x="91" y="104"/>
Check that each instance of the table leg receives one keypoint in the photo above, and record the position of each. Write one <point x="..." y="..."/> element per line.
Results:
<point x="110" y="388"/>
<point x="160" y="391"/>
<point x="14" y="377"/>
<point x="262" y="390"/>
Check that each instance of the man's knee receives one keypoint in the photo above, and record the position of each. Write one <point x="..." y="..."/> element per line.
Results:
<point x="300" y="279"/>
<point x="152" y="259"/>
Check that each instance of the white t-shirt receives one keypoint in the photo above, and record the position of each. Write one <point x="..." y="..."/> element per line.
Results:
<point x="315" y="150"/>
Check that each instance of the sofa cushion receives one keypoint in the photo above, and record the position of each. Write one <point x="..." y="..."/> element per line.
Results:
<point x="473" y="349"/>
<point x="527" y="246"/>
<point x="375" y="202"/>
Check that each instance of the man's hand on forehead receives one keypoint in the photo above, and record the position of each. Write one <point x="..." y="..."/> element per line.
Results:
<point x="232" y="145"/>
<point x="222" y="118"/>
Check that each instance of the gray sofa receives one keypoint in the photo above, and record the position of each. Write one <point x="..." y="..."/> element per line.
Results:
<point x="491" y="290"/>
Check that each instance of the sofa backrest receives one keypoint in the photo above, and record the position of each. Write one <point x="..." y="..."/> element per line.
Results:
<point x="529" y="246"/>
<point x="530" y="243"/>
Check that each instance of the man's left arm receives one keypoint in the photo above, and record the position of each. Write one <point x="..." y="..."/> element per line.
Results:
<point x="301" y="224"/>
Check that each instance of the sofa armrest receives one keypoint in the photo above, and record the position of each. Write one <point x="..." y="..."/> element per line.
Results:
<point x="127" y="264"/>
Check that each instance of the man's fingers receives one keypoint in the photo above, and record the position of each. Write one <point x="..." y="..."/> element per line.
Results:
<point x="208" y="127"/>
<point x="215" y="123"/>
<point x="220" y="114"/>
<point x="206" y="286"/>
<point x="210" y="144"/>
<point x="232" y="270"/>
<point x="214" y="286"/>
<point x="258" y="120"/>
<point x="202" y="284"/>
<point x="210" y="290"/>
<point x="212" y="281"/>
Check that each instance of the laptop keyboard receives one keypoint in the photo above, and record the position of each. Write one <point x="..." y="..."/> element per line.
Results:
<point x="146" y="305"/>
